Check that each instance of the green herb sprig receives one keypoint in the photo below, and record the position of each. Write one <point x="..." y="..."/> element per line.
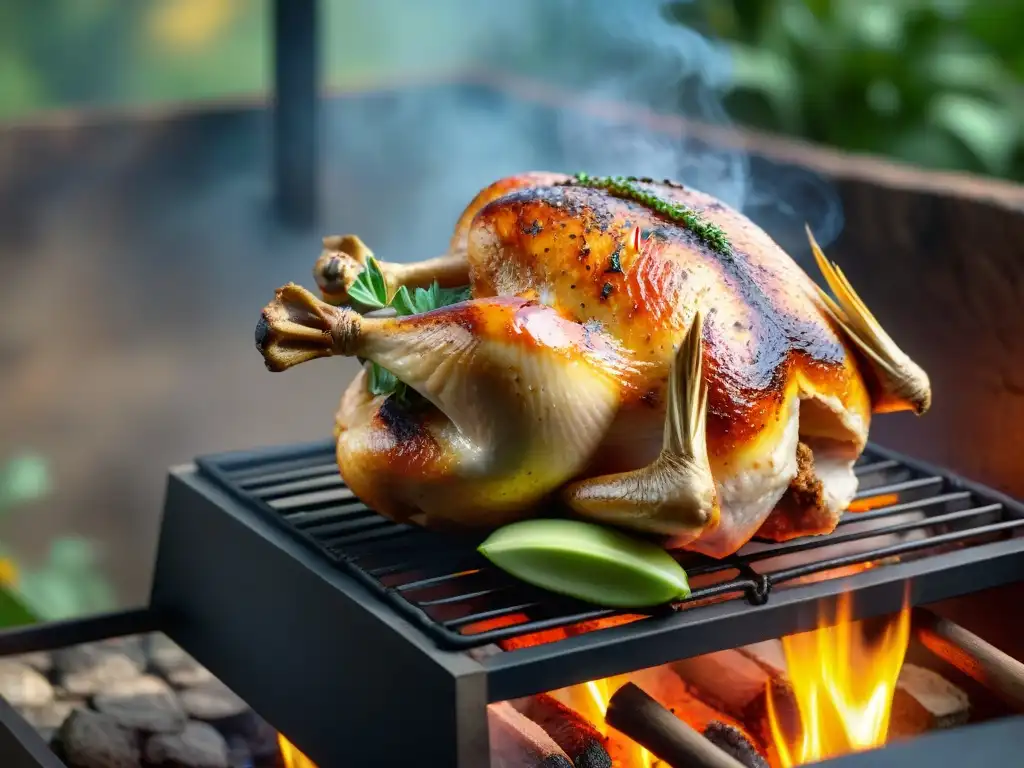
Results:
<point x="370" y="290"/>
<point x="625" y="187"/>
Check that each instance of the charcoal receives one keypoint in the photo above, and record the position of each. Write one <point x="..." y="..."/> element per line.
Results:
<point x="175" y="664"/>
<point x="92" y="740"/>
<point x="88" y="669"/>
<point x="49" y="716"/>
<point x="23" y="686"/>
<point x="732" y="741"/>
<point x="144" y="703"/>
<point x="197" y="746"/>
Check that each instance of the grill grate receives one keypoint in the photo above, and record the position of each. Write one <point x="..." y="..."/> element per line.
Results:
<point x="440" y="582"/>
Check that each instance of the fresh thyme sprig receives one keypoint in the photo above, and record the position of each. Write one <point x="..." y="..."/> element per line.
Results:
<point x="625" y="187"/>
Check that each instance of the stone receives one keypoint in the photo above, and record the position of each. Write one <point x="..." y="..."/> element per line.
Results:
<point x="40" y="661"/>
<point x="190" y="676"/>
<point x="92" y="740"/>
<point x="23" y="686"/>
<point x="212" y="702"/>
<point x="197" y="746"/>
<point x="49" y="716"/>
<point x="261" y="738"/>
<point x="164" y="653"/>
<point x="239" y="753"/>
<point x="87" y="669"/>
<point x="172" y="662"/>
<point x="144" y="704"/>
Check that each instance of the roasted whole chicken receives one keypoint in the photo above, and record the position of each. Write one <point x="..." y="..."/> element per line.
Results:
<point x="634" y="352"/>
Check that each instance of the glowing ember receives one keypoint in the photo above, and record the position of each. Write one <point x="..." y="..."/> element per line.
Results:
<point x="291" y="755"/>
<point x="843" y="684"/>
<point x="874" y="502"/>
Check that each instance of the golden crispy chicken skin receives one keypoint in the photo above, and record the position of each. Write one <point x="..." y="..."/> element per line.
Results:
<point x="635" y="350"/>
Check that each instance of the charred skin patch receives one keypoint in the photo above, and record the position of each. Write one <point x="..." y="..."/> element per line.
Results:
<point x="411" y="445"/>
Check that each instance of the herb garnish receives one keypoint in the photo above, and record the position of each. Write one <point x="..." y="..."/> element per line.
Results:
<point x="370" y="289"/>
<point x="625" y="187"/>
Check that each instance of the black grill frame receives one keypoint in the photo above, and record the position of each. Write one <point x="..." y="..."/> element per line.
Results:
<point x="339" y="527"/>
<point x="321" y="655"/>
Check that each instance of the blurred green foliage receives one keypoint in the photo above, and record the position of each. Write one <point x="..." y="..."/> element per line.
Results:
<point x="69" y="583"/>
<point x="932" y="82"/>
<point x="68" y="53"/>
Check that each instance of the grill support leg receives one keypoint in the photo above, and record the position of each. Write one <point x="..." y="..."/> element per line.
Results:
<point x="295" y="109"/>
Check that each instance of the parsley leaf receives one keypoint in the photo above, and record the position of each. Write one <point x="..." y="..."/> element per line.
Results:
<point x="384" y="382"/>
<point x="370" y="290"/>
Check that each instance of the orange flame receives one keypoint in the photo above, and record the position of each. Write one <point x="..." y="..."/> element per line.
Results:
<point x="843" y="685"/>
<point x="591" y="700"/>
<point x="292" y="757"/>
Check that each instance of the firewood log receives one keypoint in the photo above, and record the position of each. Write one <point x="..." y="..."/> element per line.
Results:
<point x="735" y="684"/>
<point x="518" y="742"/>
<point x="648" y="723"/>
<point x="999" y="672"/>
<point x="925" y="701"/>
<point x="577" y="737"/>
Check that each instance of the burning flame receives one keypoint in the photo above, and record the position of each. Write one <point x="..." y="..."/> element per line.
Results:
<point x="291" y="756"/>
<point x="599" y="693"/>
<point x="843" y="685"/>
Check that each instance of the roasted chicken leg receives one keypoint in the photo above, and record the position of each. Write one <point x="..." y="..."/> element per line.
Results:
<point x="633" y="350"/>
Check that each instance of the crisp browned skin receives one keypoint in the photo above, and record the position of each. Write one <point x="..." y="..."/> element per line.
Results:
<point x="763" y="331"/>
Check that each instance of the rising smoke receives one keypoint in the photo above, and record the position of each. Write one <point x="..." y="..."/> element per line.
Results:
<point x="601" y="51"/>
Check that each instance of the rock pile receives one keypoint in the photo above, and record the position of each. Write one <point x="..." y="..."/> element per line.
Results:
<point x="136" y="702"/>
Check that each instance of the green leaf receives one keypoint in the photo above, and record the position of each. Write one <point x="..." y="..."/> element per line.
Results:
<point x="382" y="381"/>
<point x="589" y="562"/>
<point x="767" y="74"/>
<point x="988" y="130"/>
<point x="13" y="612"/>
<point x="404" y="302"/>
<point x="370" y="289"/>
<point x="449" y="296"/>
<point x="25" y="478"/>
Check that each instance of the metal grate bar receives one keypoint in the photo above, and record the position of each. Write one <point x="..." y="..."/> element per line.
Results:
<point x="447" y="589"/>
<point x="897" y="549"/>
<point x="910" y="506"/>
<point x="875" y="467"/>
<point x="922" y="485"/>
<point x="828" y="541"/>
